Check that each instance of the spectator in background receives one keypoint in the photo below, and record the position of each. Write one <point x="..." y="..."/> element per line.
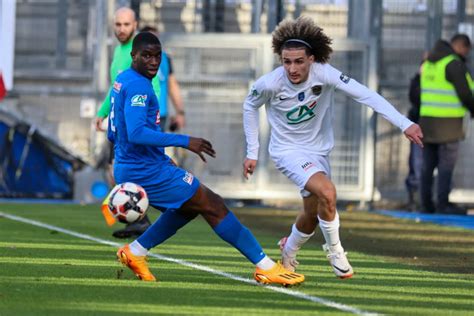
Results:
<point x="168" y="86"/>
<point x="415" y="159"/>
<point x="446" y="97"/>
<point x="125" y="26"/>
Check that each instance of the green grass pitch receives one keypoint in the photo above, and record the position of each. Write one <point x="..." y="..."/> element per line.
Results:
<point x="402" y="268"/>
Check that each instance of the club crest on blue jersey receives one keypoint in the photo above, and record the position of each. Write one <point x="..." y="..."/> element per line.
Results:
<point x="188" y="178"/>
<point x="344" y="78"/>
<point x="301" y="96"/>
<point x="117" y="86"/>
<point x="139" y="100"/>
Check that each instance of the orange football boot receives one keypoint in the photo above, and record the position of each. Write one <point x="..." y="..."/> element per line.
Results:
<point x="278" y="275"/>
<point x="138" y="264"/>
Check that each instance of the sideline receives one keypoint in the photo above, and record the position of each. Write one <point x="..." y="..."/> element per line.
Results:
<point x="463" y="221"/>
<point x="297" y="294"/>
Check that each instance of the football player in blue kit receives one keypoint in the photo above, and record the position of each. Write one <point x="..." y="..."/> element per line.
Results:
<point x="134" y="128"/>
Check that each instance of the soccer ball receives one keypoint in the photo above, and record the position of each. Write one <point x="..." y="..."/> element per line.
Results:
<point x="128" y="202"/>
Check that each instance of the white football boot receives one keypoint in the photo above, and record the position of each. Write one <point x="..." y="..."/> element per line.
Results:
<point x="338" y="260"/>
<point x="289" y="262"/>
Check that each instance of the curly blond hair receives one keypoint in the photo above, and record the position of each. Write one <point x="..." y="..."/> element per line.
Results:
<point x="302" y="29"/>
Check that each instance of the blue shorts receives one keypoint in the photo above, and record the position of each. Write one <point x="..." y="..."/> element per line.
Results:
<point x="167" y="186"/>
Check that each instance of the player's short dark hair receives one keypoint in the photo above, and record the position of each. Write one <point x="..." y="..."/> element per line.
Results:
<point x="143" y="39"/>
<point x="461" y="38"/>
<point x="302" y="33"/>
<point x="149" y="28"/>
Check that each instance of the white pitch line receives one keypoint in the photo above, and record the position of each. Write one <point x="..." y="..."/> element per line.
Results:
<point x="315" y="299"/>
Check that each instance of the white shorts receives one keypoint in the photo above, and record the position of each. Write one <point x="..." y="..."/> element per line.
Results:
<point x="300" y="166"/>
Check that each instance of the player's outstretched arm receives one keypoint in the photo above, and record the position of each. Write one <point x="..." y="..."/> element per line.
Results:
<point x="414" y="134"/>
<point x="249" y="167"/>
<point x="200" y="146"/>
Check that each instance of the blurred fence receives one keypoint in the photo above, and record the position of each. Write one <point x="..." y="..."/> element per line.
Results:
<point x="61" y="64"/>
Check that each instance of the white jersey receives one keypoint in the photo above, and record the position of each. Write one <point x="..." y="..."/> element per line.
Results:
<point x="300" y="115"/>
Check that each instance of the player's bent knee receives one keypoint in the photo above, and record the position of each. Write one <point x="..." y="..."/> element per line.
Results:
<point x="211" y="203"/>
<point x="327" y="195"/>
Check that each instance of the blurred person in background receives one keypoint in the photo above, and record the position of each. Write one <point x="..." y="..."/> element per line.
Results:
<point x="299" y="98"/>
<point x="446" y="97"/>
<point x="415" y="159"/>
<point x="169" y="86"/>
<point x="125" y="26"/>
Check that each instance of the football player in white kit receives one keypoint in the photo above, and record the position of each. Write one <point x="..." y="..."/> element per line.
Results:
<point x="299" y="98"/>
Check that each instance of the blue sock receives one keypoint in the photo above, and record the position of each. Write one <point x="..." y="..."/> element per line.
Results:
<point x="236" y="234"/>
<point x="165" y="227"/>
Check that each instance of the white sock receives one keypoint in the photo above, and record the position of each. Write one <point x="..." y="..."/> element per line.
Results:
<point x="137" y="249"/>
<point x="295" y="241"/>
<point x="266" y="263"/>
<point x="330" y="232"/>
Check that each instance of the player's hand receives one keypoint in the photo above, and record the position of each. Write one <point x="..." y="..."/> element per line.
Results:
<point x="249" y="167"/>
<point x="200" y="146"/>
<point x="414" y="134"/>
<point x="98" y="124"/>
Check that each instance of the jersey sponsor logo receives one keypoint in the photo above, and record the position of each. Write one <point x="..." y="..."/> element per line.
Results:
<point x="301" y="113"/>
<point x="188" y="178"/>
<point x="117" y="86"/>
<point x="301" y="96"/>
<point x="307" y="165"/>
<point x="139" y="100"/>
<point x="317" y="90"/>
<point x="344" y="78"/>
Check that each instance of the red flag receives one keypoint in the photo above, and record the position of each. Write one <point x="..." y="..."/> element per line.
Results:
<point x="3" y="90"/>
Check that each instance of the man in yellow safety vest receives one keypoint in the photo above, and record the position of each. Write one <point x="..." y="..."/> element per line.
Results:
<point x="446" y="97"/>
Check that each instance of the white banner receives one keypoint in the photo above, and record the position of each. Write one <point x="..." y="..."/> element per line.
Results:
<point x="7" y="40"/>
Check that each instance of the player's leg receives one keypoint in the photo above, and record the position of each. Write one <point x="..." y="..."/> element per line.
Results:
<point x="224" y="223"/>
<point x="430" y="161"/>
<point x="134" y="255"/>
<point x="323" y="188"/>
<point x="299" y="167"/>
<point x="301" y="232"/>
<point x="447" y="154"/>
<point x="166" y="194"/>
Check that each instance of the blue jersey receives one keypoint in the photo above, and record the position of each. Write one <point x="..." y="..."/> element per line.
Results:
<point x="134" y="122"/>
<point x="134" y="128"/>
